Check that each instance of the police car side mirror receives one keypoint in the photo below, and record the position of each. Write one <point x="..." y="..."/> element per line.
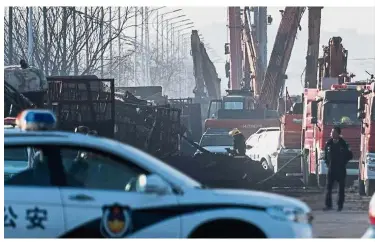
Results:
<point x="153" y="184"/>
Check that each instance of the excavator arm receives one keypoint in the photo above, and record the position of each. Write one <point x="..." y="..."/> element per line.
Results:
<point x="252" y="67"/>
<point x="274" y="80"/>
<point x="205" y="73"/>
<point x="314" y="22"/>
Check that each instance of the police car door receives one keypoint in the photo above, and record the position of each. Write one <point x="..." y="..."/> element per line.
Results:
<point x="105" y="203"/>
<point x="30" y="211"/>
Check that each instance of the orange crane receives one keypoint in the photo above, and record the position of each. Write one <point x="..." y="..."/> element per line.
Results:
<point x="274" y="80"/>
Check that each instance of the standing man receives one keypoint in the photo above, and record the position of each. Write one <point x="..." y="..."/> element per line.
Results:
<point x="337" y="155"/>
<point x="239" y="143"/>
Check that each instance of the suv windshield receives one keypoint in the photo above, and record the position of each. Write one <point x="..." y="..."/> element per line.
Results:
<point x="341" y="113"/>
<point x="216" y="140"/>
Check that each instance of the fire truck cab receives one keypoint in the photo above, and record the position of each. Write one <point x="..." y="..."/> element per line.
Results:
<point x="366" y="113"/>
<point x="323" y="110"/>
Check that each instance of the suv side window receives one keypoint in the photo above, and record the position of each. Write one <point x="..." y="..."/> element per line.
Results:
<point x="95" y="170"/>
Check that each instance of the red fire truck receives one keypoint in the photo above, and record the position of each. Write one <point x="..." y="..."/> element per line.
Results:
<point x="366" y="113"/>
<point x="324" y="109"/>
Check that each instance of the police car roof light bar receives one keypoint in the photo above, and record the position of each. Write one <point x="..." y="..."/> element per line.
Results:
<point x="36" y="119"/>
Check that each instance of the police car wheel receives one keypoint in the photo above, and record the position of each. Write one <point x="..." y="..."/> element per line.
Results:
<point x="369" y="187"/>
<point x="227" y="228"/>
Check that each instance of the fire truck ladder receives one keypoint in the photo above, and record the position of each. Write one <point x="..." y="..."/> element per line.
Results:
<point x="274" y="81"/>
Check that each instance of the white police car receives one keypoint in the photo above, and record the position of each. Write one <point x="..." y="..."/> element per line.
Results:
<point x="370" y="232"/>
<point x="82" y="186"/>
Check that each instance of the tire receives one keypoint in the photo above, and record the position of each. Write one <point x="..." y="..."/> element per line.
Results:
<point x="369" y="187"/>
<point x="361" y="186"/>
<point x="265" y="164"/>
<point x="322" y="180"/>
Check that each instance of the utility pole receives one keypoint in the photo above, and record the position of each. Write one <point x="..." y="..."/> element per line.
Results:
<point x="167" y="40"/>
<point x="10" y="36"/>
<point x="101" y="42"/>
<point x="30" y="37"/>
<point x="157" y="36"/>
<point x="45" y="33"/>
<point x="64" y="25"/>
<point x="119" y="60"/>
<point x="87" y="40"/>
<point x="142" y="47"/>
<point x="172" y="41"/>
<point x="110" y="43"/>
<point x="162" y="37"/>
<point x="147" y="40"/>
<point x="135" y="45"/>
<point x="75" y="61"/>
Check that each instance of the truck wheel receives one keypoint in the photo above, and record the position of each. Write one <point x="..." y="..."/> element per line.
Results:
<point x="369" y="187"/>
<point x="321" y="180"/>
<point x="361" y="186"/>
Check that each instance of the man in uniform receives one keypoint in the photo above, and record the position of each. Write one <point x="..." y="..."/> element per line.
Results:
<point x="239" y="143"/>
<point x="337" y="155"/>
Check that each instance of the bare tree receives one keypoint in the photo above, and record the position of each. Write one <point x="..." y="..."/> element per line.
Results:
<point x="60" y="36"/>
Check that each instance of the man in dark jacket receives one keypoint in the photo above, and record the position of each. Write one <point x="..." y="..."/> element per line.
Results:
<point x="337" y="155"/>
<point x="239" y="143"/>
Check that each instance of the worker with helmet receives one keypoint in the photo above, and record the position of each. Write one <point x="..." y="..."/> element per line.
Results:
<point x="239" y="143"/>
<point x="346" y="120"/>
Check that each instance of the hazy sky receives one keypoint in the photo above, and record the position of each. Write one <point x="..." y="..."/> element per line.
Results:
<point x="211" y="23"/>
<point x="333" y="18"/>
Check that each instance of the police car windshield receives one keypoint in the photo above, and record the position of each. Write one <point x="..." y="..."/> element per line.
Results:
<point x="216" y="140"/>
<point x="341" y="113"/>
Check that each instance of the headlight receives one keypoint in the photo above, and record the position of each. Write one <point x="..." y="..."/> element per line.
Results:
<point x="370" y="158"/>
<point x="321" y="155"/>
<point x="289" y="214"/>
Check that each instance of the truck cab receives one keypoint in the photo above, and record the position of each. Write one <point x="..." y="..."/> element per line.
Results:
<point x="366" y="113"/>
<point x="238" y="110"/>
<point x="323" y="110"/>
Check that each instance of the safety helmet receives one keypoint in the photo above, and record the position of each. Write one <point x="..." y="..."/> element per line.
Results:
<point x="234" y="132"/>
<point x="345" y="119"/>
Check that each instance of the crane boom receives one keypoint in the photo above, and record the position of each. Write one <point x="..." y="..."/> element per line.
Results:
<point x="274" y="80"/>
<point x="252" y="66"/>
<point x="314" y="22"/>
<point x="206" y="77"/>
<point x="235" y="29"/>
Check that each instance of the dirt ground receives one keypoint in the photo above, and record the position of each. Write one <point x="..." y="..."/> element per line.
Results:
<point x="351" y="222"/>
